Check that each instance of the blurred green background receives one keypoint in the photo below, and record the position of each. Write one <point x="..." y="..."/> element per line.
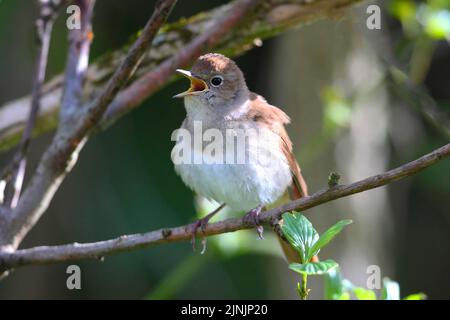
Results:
<point x="333" y="78"/>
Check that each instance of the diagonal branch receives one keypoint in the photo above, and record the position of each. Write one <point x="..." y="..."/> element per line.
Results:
<point x="96" y="250"/>
<point x="14" y="173"/>
<point x="127" y="67"/>
<point x="269" y="18"/>
<point x="77" y="61"/>
<point x="62" y="153"/>
<point x="155" y="79"/>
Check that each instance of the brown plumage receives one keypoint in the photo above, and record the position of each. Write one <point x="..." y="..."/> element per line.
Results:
<point x="219" y="99"/>
<point x="275" y="119"/>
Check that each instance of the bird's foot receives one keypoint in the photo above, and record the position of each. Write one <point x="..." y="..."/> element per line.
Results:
<point x="252" y="218"/>
<point x="201" y="224"/>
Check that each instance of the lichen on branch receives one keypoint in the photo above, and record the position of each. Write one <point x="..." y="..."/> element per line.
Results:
<point x="268" y="19"/>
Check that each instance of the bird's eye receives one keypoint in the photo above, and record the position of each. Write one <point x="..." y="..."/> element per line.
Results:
<point x="216" y="81"/>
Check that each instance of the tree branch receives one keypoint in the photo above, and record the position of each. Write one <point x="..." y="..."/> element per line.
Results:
<point x="97" y="250"/>
<point x="14" y="173"/>
<point x="268" y="19"/>
<point x="62" y="153"/>
<point x="127" y="68"/>
<point x="77" y="61"/>
<point x="153" y="80"/>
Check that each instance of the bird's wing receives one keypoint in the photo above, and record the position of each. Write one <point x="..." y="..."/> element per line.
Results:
<point x="276" y="119"/>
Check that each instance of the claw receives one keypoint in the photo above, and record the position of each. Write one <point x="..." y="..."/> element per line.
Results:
<point x="202" y="223"/>
<point x="260" y="231"/>
<point x="193" y="233"/>
<point x="252" y="218"/>
<point x="203" y="246"/>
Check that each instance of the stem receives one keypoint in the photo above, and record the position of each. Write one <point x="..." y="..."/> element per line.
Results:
<point x="303" y="291"/>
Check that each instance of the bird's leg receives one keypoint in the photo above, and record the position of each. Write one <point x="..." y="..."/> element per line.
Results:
<point x="252" y="218"/>
<point x="201" y="223"/>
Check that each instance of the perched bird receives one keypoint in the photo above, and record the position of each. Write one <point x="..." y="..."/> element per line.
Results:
<point x="218" y="99"/>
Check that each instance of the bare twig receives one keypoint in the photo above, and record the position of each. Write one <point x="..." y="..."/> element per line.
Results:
<point x="62" y="153"/>
<point x="75" y="251"/>
<point x="14" y="173"/>
<point x="77" y="61"/>
<point x="268" y="19"/>
<point x="127" y="67"/>
<point x="155" y="79"/>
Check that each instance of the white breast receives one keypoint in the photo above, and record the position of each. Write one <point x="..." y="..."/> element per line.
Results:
<point x="262" y="179"/>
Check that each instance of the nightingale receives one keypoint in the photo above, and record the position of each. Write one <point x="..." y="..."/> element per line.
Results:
<point x="219" y="99"/>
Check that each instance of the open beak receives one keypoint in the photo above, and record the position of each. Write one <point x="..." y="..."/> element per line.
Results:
<point x="197" y="85"/>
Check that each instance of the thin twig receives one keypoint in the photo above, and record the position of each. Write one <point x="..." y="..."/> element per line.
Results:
<point x="155" y="79"/>
<point x="127" y="67"/>
<point x="15" y="172"/>
<point x="77" y="61"/>
<point x="268" y="19"/>
<point x="96" y="250"/>
<point x="61" y="155"/>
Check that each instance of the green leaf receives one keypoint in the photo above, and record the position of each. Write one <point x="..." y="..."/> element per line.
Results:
<point x="337" y="112"/>
<point x="391" y="290"/>
<point x="314" y="268"/>
<point x="404" y="10"/>
<point x="416" y="296"/>
<point x="364" y="294"/>
<point x="437" y="24"/>
<point x="336" y="287"/>
<point x="343" y="296"/>
<point x="300" y="233"/>
<point x="327" y="236"/>
<point x="333" y="285"/>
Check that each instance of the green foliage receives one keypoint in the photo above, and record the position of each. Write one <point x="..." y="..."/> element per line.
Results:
<point x="329" y="235"/>
<point x="391" y="290"/>
<point x="337" y="112"/>
<point x="338" y="288"/>
<point x="437" y="24"/>
<point x="304" y="238"/>
<point x="431" y="18"/>
<point x="335" y="286"/>
<point x="314" y="268"/>
<point x="404" y="10"/>
<point x="364" y="294"/>
<point x="424" y="23"/>
<point x="416" y="296"/>
<point x="301" y="234"/>
<point x="333" y="179"/>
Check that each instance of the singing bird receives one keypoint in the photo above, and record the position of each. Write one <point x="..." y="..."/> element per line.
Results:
<point x="219" y="99"/>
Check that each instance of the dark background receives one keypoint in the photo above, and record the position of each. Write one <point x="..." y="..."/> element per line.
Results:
<point x="329" y="77"/>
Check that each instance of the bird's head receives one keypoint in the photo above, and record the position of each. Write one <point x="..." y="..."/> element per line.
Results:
<point x="216" y="81"/>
